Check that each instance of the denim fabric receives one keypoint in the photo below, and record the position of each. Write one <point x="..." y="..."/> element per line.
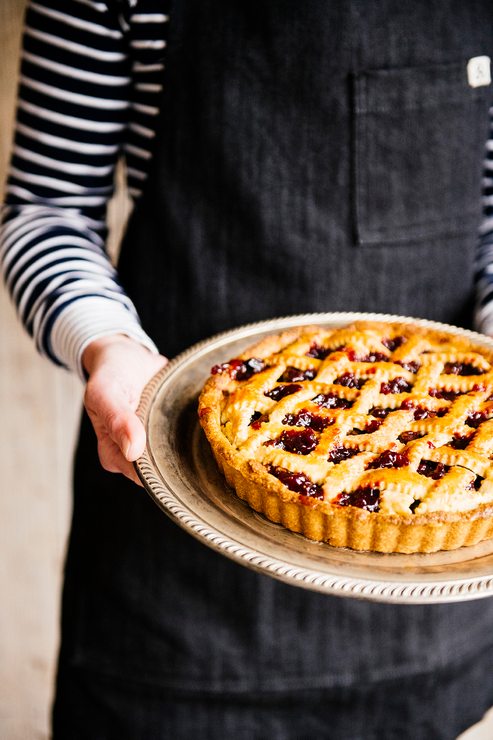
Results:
<point x="293" y="137"/>
<point x="436" y="706"/>
<point x="274" y="192"/>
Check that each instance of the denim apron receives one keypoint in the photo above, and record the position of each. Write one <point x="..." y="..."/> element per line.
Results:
<point x="315" y="156"/>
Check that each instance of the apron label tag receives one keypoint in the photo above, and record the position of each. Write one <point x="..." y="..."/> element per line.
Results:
<point x="478" y="71"/>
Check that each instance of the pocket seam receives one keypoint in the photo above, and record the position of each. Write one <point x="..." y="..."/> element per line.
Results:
<point x="365" y="233"/>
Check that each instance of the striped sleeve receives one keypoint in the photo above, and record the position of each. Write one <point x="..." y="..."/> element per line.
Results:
<point x="484" y="261"/>
<point x="91" y="74"/>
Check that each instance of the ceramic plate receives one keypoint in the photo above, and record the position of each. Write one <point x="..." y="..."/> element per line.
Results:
<point x="180" y="473"/>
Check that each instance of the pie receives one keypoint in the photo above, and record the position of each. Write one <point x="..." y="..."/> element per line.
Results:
<point x="373" y="436"/>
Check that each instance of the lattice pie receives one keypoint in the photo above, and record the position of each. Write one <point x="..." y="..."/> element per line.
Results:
<point x="373" y="436"/>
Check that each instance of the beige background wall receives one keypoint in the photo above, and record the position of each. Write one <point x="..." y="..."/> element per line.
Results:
<point x="39" y="410"/>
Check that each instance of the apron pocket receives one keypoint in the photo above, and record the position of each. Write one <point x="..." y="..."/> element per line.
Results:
<point x="418" y="153"/>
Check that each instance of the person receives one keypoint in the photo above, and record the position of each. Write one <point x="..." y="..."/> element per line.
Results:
<point x="285" y="159"/>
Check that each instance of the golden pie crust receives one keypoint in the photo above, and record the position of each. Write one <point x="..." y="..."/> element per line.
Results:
<point x="383" y="431"/>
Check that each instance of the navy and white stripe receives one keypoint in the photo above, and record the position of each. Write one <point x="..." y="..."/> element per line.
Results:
<point x="484" y="261"/>
<point x="89" y="90"/>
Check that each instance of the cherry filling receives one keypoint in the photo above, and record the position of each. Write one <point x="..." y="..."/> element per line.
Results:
<point x="331" y="401"/>
<point x="460" y="443"/>
<point x="298" y="482"/>
<point x="375" y="357"/>
<point x="338" y="454"/>
<point x="475" y="485"/>
<point x="258" y="419"/>
<point x="380" y="413"/>
<point x="406" y="437"/>
<point x="292" y="375"/>
<point x="392" y="344"/>
<point x="421" y="413"/>
<point x="411" y="367"/>
<point x="301" y="443"/>
<point x="349" y="380"/>
<point x="239" y="369"/>
<point x="318" y="352"/>
<point x="306" y="419"/>
<point x="435" y="470"/>
<point x="281" y="391"/>
<point x="447" y="395"/>
<point x="389" y="459"/>
<point x="372" y="426"/>
<point x="476" y="418"/>
<point x="397" y="385"/>
<point x="459" y="368"/>
<point x="364" y="498"/>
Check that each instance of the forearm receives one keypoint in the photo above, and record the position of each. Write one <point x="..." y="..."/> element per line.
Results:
<point x="484" y="260"/>
<point x="76" y="112"/>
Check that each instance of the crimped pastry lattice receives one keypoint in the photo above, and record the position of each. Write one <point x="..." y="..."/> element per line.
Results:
<point x="374" y="436"/>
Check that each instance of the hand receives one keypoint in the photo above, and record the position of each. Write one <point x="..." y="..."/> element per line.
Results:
<point x="119" y="368"/>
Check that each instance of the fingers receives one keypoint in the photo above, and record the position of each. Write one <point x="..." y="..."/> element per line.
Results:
<point x="111" y="410"/>
<point x="113" y="460"/>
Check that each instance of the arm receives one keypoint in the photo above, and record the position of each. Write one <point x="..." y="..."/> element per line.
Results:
<point x="77" y="111"/>
<point x="484" y="261"/>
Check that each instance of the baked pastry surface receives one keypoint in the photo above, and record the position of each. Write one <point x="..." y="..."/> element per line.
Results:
<point x="374" y="436"/>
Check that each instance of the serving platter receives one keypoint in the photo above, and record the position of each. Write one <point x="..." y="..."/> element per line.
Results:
<point x="179" y="472"/>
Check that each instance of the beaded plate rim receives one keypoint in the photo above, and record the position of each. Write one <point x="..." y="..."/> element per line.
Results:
<point x="196" y="522"/>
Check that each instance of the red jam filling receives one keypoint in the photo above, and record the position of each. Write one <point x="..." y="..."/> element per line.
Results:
<point x="258" y="419"/>
<point x="372" y="426"/>
<point x="411" y="367"/>
<point x="392" y="344"/>
<point x="364" y="498"/>
<point x="306" y="419"/>
<point x="447" y="395"/>
<point x="406" y="437"/>
<point x="301" y="443"/>
<point x="397" y="385"/>
<point x="338" y="454"/>
<point x="292" y="375"/>
<point x="281" y="391"/>
<point x="239" y="369"/>
<point x="380" y="413"/>
<point x="297" y="482"/>
<point x="349" y="380"/>
<point x="460" y="443"/>
<point x="475" y="485"/>
<point x="420" y="414"/>
<point x="318" y="352"/>
<point x="459" y="368"/>
<point x="375" y="357"/>
<point x="435" y="470"/>
<point x="331" y="401"/>
<point x="389" y="459"/>
<point x="476" y="418"/>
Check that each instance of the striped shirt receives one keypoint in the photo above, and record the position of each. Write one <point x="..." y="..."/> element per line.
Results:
<point x="90" y="89"/>
<point x="90" y="84"/>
